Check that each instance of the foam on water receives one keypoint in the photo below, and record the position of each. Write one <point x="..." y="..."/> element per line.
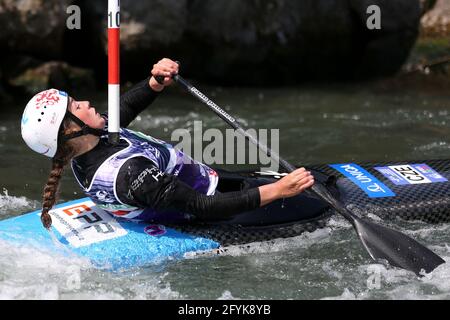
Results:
<point x="346" y="295"/>
<point x="59" y="245"/>
<point x="33" y="273"/>
<point x="226" y="295"/>
<point x="376" y="281"/>
<point x="338" y="222"/>
<point x="137" y="286"/>
<point x="9" y="203"/>
<point x="329" y="263"/>
<point x="277" y="245"/>
<point x="400" y="284"/>
<point x="438" y="145"/>
<point x="427" y="231"/>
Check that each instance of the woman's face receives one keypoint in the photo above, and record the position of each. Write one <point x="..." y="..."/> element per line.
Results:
<point x="86" y="113"/>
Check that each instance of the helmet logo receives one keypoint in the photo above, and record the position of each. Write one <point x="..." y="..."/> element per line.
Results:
<point x="48" y="97"/>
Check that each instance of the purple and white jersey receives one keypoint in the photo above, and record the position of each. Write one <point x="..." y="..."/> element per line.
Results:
<point x="102" y="189"/>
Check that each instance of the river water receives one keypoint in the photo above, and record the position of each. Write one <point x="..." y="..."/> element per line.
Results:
<point x="327" y="124"/>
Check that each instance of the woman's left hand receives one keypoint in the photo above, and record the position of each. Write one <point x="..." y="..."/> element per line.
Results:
<point x="165" y="68"/>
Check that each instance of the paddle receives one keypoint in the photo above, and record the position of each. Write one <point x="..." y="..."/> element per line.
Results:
<point x="381" y="243"/>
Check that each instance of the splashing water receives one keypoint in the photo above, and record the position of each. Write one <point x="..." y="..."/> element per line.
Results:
<point x="9" y="204"/>
<point x="316" y="126"/>
<point x="59" y="244"/>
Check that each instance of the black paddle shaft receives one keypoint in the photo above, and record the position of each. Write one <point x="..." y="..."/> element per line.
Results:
<point x="381" y="243"/>
<point x="317" y="189"/>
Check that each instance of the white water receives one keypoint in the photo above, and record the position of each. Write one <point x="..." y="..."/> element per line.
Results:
<point x="327" y="264"/>
<point x="31" y="273"/>
<point x="9" y="203"/>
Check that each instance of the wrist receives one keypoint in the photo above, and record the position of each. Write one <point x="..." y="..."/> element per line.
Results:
<point x="269" y="192"/>
<point x="154" y="85"/>
<point x="277" y="190"/>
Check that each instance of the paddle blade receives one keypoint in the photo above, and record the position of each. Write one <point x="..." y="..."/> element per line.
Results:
<point x="397" y="248"/>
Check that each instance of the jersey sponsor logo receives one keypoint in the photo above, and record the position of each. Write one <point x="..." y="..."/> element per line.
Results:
<point x="411" y="174"/>
<point x="103" y="196"/>
<point x="84" y="224"/>
<point x="364" y="180"/>
<point x="155" y="230"/>
<point x="153" y="172"/>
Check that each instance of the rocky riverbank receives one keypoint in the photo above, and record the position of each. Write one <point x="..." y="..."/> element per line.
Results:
<point x="219" y="41"/>
<point x="428" y="66"/>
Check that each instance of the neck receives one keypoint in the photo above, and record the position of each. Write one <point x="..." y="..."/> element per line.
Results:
<point x="85" y="144"/>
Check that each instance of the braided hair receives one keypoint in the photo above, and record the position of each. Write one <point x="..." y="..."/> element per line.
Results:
<point x="64" y="154"/>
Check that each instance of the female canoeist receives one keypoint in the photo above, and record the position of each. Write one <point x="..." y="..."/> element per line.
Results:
<point x="140" y="178"/>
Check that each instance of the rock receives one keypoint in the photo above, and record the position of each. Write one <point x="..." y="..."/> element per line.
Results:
<point x="436" y="22"/>
<point x="251" y="42"/>
<point x="11" y="66"/>
<point x="386" y="50"/>
<point x="33" y="26"/>
<point x="256" y="42"/>
<point x="55" y="74"/>
<point x="260" y="42"/>
<point x="427" y="5"/>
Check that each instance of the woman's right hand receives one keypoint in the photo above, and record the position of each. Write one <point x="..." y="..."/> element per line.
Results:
<point x="164" y="68"/>
<point x="291" y="185"/>
<point x="294" y="183"/>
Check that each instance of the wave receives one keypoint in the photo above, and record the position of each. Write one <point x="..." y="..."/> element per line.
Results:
<point x="11" y="205"/>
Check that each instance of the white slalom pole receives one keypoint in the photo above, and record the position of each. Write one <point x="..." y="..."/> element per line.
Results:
<point x="113" y="70"/>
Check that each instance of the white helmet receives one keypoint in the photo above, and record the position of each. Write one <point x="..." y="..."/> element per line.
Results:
<point x="42" y="119"/>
